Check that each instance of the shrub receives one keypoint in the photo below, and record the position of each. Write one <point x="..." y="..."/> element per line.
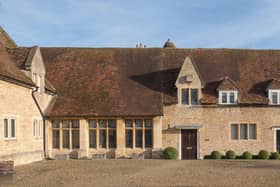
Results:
<point x="263" y="154"/>
<point x="247" y="155"/>
<point x="230" y="154"/>
<point x="275" y="156"/>
<point x="170" y="153"/>
<point x="216" y="155"/>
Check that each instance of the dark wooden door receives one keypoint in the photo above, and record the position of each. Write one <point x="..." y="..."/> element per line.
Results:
<point x="189" y="144"/>
<point x="278" y="140"/>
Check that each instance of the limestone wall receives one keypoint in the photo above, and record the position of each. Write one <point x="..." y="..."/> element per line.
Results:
<point x="215" y="133"/>
<point x="17" y="102"/>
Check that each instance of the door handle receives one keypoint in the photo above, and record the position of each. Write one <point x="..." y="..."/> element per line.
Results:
<point x="189" y="148"/>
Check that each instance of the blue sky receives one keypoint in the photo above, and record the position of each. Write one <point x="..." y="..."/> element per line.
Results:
<point x="123" y="23"/>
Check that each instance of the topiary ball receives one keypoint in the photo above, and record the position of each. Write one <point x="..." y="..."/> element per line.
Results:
<point x="263" y="154"/>
<point x="275" y="156"/>
<point x="230" y="154"/>
<point x="247" y="155"/>
<point x="216" y="155"/>
<point x="170" y="153"/>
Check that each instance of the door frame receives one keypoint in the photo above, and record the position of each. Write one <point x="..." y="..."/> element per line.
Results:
<point x="275" y="138"/>
<point x="197" y="143"/>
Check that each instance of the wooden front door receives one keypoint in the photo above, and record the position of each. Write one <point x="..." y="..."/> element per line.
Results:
<point x="189" y="144"/>
<point x="278" y="140"/>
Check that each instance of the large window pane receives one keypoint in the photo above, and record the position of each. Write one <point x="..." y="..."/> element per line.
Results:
<point x="92" y="124"/>
<point x="92" y="138"/>
<point x="65" y="124"/>
<point x="13" y="128"/>
<point x="75" y="124"/>
<point x="55" y="124"/>
<point x="139" y="138"/>
<point x="6" y="128"/>
<point x="128" y="138"/>
<point x="194" y="96"/>
<point x="112" y="138"/>
<point x="102" y="138"/>
<point x="128" y="123"/>
<point x="75" y="139"/>
<point x="55" y="139"/>
<point x="102" y="123"/>
<point x="65" y="139"/>
<point x="139" y="123"/>
<point x="252" y="131"/>
<point x="243" y="132"/>
<point x="148" y="138"/>
<point x="185" y="96"/>
<point x="111" y="123"/>
<point x="234" y="131"/>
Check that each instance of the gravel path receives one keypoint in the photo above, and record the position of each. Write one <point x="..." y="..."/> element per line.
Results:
<point x="146" y="173"/>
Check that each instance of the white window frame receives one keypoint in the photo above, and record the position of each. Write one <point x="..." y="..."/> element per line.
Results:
<point x="37" y="128"/>
<point x="228" y="92"/>
<point x="179" y="95"/>
<point x="270" y="91"/>
<point x="248" y="131"/>
<point x="9" y="118"/>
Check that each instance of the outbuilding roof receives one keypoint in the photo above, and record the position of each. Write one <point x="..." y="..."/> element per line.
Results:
<point x="139" y="81"/>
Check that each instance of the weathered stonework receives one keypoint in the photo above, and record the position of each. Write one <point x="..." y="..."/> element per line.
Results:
<point x="215" y="132"/>
<point x="17" y="102"/>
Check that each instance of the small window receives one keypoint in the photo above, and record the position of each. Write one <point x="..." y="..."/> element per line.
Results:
<point x="234" y="131"/>
<point x="228" y="97"/>
<point x="6" y="129"/>
<point x="13" y="128"/>
<point x="274" y="97"/>
<point x="243" y="132"/>
<point x="252" y="131"/>
<point x="75" y="130"/>
<point x="185" y="96"/>
<point x="148" y="133"/>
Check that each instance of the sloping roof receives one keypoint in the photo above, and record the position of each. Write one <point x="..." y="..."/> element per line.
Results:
<point x="274" y="84"/>
<point x="9" y="71"/>
<point x="138" y="81"/>
<point x="227" y="84"/>
<point x="5" y="39"/>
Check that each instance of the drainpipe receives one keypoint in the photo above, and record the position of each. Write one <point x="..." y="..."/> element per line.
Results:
<point x="43" y="117"/>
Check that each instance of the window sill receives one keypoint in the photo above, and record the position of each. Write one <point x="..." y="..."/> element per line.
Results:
<point x="188" y="106"/>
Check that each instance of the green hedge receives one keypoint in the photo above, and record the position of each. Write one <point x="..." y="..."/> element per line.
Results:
<point x="216" y="155"/>
<point x="275" y="156"/>
<point x="230" y="154"/>
<point x="263" y="154"/>
<point x="247" y="155"/>
<point x="170" y="153"/>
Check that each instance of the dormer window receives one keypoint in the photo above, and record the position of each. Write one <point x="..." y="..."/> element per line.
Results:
<point x="274" y="97"/>
<point x="189" y="96"/>
<point x="228" y="97"/>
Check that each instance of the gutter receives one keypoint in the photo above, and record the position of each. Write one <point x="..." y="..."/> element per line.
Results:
<point x="43" y="117"/>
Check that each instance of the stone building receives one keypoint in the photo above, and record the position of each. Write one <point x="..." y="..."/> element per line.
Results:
<point x="134" y="102"/>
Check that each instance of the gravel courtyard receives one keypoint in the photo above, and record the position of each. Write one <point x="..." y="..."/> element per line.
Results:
<point x="146" y="173"/>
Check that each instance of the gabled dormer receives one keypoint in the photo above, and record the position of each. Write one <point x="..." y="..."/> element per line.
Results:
<point x="228" y="92"/>
<point x="35" y="66"/>
<point x="273" y="90"/>
<point x="189" y="84"/>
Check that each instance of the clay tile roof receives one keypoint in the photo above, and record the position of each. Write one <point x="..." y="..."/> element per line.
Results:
<point x="227" y="84"/>
<point x="116" y="82"/>
<point x="169" y="44"/>
<point x="9" y="71"/>
<point x="274" y="84"/>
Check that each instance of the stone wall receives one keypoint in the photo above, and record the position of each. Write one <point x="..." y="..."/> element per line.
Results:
<point x="17" y="102"/>
<point x="215" y="133"/>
